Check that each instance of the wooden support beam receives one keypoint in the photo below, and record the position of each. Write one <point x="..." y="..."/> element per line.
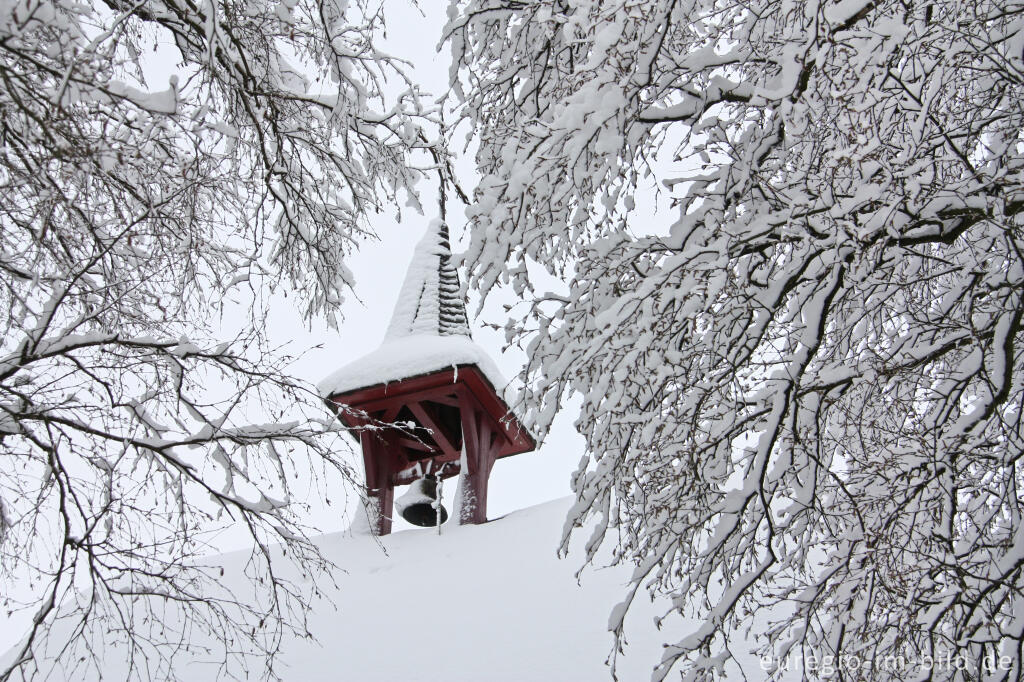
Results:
<point x="436" y="432"/>
<point x="446" y="400"/>
<point x="380" y="492"/>
<point x="380" y="508"/>
<point x="413" y="444"/>
<point x="481" y="449"/>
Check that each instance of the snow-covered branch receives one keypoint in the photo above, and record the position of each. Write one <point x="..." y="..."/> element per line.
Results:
<point x="802" y="395"/>
<point x="133" y="206"/>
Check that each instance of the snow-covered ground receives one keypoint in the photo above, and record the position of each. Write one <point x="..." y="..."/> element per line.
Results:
<point x="486" y="603"/>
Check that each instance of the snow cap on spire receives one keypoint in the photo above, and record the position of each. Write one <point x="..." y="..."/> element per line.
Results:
<point x="430" y="301"/>
<point x="429" y="330"/>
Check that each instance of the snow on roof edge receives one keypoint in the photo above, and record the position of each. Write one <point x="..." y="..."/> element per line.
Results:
<point x="410" y="356"/>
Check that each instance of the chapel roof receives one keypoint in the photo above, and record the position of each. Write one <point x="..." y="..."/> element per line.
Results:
<point x="429" y="329"/>
<point x="430" y="301"/>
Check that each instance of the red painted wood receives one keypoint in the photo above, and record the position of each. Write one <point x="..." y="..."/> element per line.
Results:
<point x="378" y="460"/>
<point x="385" y="506"/>
<point x="436" y="432"/>
<point x="438" y="386"/>
<point x="489" y="431"/>
<point x="414" y="444"/>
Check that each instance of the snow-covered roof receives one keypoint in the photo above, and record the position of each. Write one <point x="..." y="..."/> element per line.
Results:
<point x="430" y="301"/>
<point x="411" y="356"/>
<point x="429" y="329"/>
<point x="490" y="602"/>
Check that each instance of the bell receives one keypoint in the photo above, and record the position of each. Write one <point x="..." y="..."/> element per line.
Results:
<point x="416" y="505"/>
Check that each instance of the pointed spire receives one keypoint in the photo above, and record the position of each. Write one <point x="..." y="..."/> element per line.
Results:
<point x="430" y="301"/>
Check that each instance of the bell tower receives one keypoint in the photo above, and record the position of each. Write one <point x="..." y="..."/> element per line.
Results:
<point x="426" y="405"/>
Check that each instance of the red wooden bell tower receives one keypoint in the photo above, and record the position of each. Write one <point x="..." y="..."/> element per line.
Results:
<point x="426" y="403"/>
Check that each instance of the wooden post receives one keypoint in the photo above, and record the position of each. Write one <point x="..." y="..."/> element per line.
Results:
<point x="480" y="455"/>
<point x="380" y="505"/>
<point x="380" y="489"/>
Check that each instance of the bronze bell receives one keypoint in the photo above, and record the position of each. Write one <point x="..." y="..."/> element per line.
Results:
<point x="416" y="505"/>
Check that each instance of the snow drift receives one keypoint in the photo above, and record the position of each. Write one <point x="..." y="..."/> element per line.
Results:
<point x="476" y="603"/>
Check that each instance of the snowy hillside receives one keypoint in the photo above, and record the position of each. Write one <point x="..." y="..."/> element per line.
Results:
<point x="487" y="603"/>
